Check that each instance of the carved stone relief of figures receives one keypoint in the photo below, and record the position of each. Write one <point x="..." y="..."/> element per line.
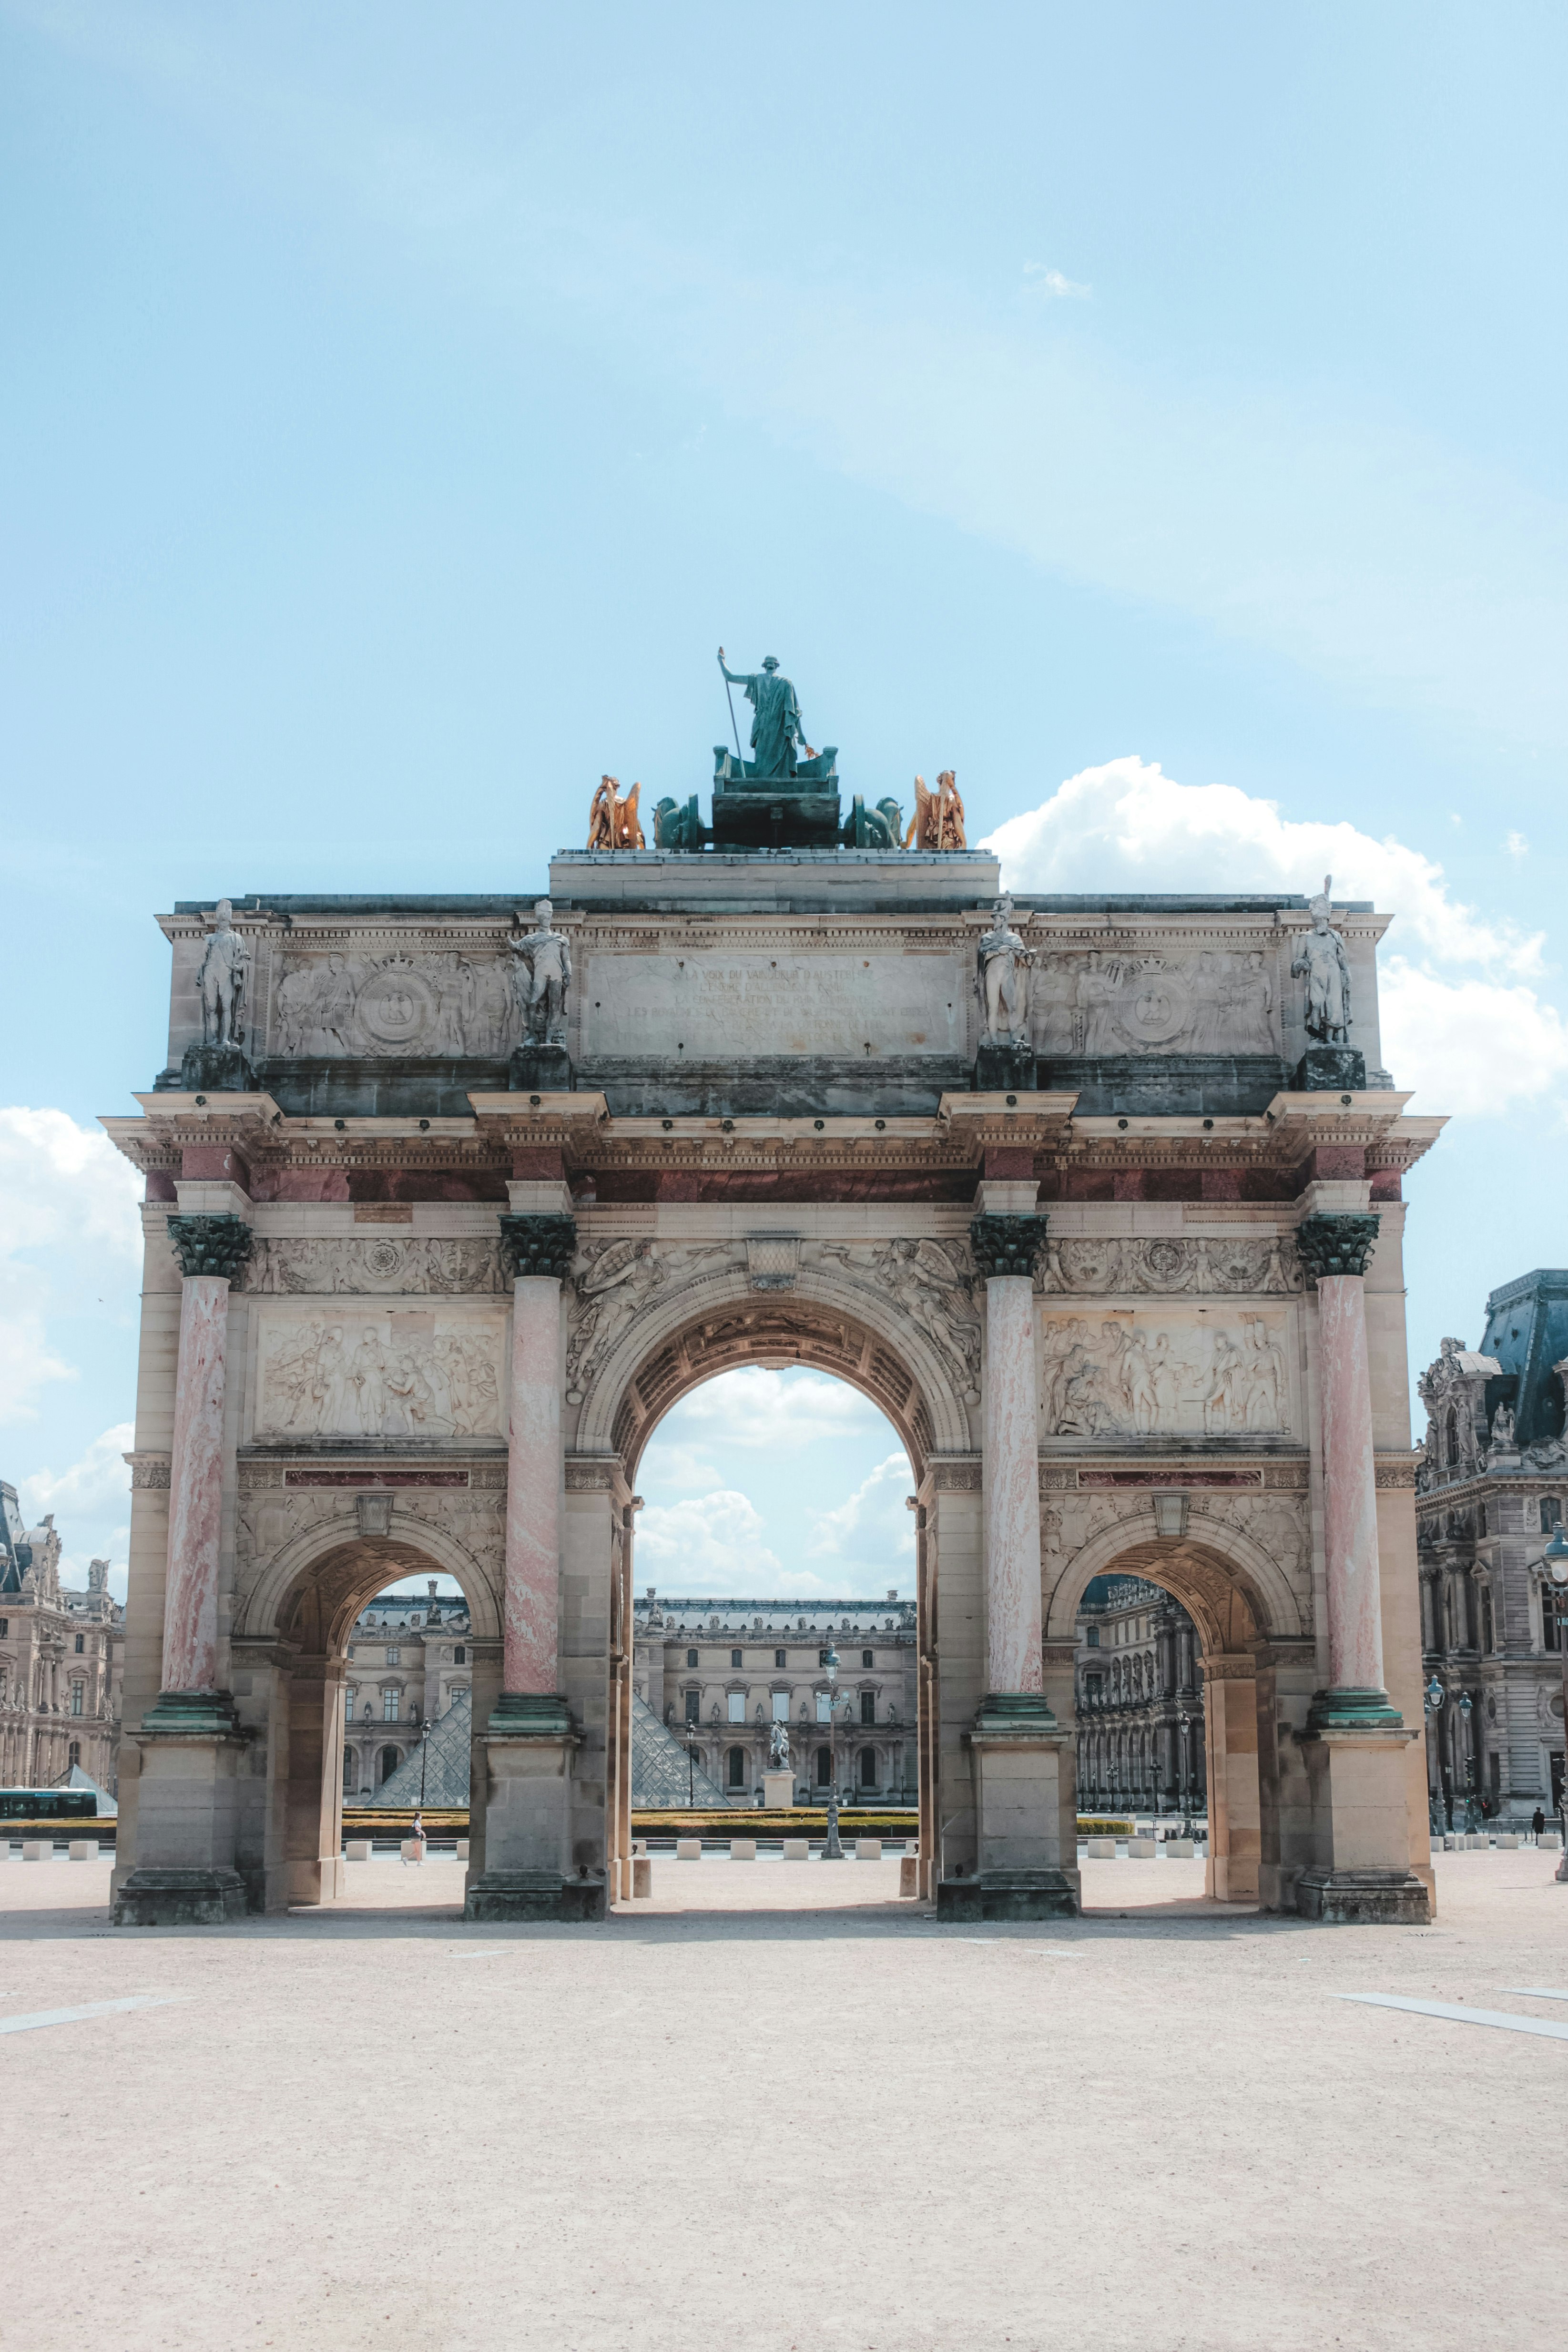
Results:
<point x="1097" y="1002"/>
<point x="1124" y="1376"/>
<point x="932" y="1283"/>
<point x="391" y="1375"/>
<point x="1168" y="1266"/>
<point x="441" y="1004"/>
<point x="315" y="1266"/>
<point x="612" y="1282"/>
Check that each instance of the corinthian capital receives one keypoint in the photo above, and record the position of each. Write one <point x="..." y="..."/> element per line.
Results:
<point x="1330" y="1244"/>
<point x="533" y="1245"/>
<point x="210" y="1244"/>
<point x="1007" y="1245"/>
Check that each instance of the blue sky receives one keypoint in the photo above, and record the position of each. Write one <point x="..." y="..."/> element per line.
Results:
<point x="397" y="406"/>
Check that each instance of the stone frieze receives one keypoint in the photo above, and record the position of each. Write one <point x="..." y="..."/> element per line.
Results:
<point x="369" y="1373"/>
<point x="317" y="1265"/>
<point x="1127" y="1374"/>
<point x="1170" y="1265"/>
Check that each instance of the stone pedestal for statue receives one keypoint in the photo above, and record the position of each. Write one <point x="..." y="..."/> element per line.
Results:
<point x="1330" y="1070"/>
<point x="1003" y="1069"/>
<point x="540" y="1070"/>
<point x="778" y="1791"/>
<point x="186" y="1806"/>
<point x="217" y="1070"/>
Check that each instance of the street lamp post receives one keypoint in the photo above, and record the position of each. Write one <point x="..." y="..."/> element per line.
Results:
<point x="831" y="1850"/>
<point x="1467" y="1708"/>
<point x="1555" y="1559"/>
<point x="690" y="1769"/>
<point x="424" y="1759"/>
<point x="1432" y="1699"/>
<point x="1183" y="1720"/>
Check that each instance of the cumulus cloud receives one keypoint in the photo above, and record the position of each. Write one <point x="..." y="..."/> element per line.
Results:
<point x="69" y="1243"/>
<point x="1461" y="1023"/>
<point x="780" y="1410"/>
<point x="1516" y="845"/>
<point x="707" y="1543"/>
<point x="90" y="1504"/>
<point x="872" y="1525"/>
<point x="1127" y="822"/>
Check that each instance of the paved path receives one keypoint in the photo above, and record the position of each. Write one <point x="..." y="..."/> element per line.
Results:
<point x="736" y="2124"/>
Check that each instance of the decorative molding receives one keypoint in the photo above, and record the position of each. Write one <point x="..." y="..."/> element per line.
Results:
<point x="210" y="1246"/>
<point x="321" y="1266"/>
<point x="956" y="1477"/>
<point x="1169" y="1266"/>
<point x="1006" y="1246"/>
<point x="1226" y="1667"/>
<point x="594" y="1475"/>
<point x="1397" y="1470"/>
<point x="149" y="1472"/>
<point x="535" y="1246"/>
<point x="1181" y="1476"/>
<point x="1332" y="1245"/>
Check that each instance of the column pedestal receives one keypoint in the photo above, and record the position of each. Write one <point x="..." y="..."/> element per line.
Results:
<point x="1015" y="1746"/>
<point x="778" y="1791"/>
<point x="191" y="1746"/>
<point x="1359" y="1810"/>
<point x="528" y="1872"/>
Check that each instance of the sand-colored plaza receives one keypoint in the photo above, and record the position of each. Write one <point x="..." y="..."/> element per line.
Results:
<point x="776" y="2106"/>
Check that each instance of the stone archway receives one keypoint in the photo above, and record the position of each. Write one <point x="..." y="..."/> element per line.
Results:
<point x="1252" y="1641"/>
<point x="717" y="1325"/>
<point x="290" y="1647"/>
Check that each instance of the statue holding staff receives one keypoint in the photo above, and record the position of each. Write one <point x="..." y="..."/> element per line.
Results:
<point x="777" y="727"/>
<point x="1002" y="979"/>
<point x="1322" y="964"/>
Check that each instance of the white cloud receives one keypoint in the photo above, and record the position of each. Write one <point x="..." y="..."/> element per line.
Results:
<point x="682" y="1466"/>
<point x="1052" y="284"/>
<point x="1129" y="824"/>
<point x="706" y="1543"/>
<point x="91" y="1505"/>
<point x="1517" y="845"/>
<point x="70" y="1242"/>
<point x="780" y="1410"/>
<point x="872" y="1524"/>
<point x="1480" y="1046"/>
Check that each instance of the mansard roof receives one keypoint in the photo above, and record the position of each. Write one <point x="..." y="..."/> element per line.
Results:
<point x="1527" y="1333"/>
<point x="703" y="1614"/>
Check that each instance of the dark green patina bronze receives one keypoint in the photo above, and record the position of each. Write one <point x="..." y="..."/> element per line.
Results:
<point x="210" y="1244"/>
<point x="532" y="1246"/>
<point x="1336" y="1244"/>
<point x="1007" y="1245"/>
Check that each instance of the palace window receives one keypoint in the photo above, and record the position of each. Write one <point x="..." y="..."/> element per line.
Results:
<point x="1551" y="1515"/>
<point x="824" y="1706"/>
<point x="1487" y="1639"/>
<point x="867" y="1658"/>
<point x="1551" y="1632"/>
<point x="351" y="1693"/>
<point x="736" y="1762"/>
<point x="74" y="1758"/>
<point x="395" y="1657"/>
<point x="388" y="1761"/>
<point x="781" y="1707"/>
<point x="781" y="1658"/>
<point x="693" y="1707"/>
<point x="77" y="1696"/>
<point x="737" y="1707"/>
<point x="825" y="1768"/>
<point x="1091" y="1639"/>
<point x="389" y="1699"/>
<point x="867" y="1706"/>
<point x="5" y="1629"/>
<point x="460" y="1655"/>
<point x="868" y="1768"/>
<point x="691" y="1657"/>
<point x="737" y="1658"/>
<point x="80" y="1643"/>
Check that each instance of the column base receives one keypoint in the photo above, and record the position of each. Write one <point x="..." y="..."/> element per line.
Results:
<point x="540" y="1068"/>
<point x="529" y="1715"/>
<point x="502" y="1895"/>
<point x="191" y="1715"/>
<point x="1014" y="1715"/>
<point x="1353" y="1710"/>
<point x="154" y="1897"/>
<point x="1007" y="1895"/>
<point x="1363" y="1898"/>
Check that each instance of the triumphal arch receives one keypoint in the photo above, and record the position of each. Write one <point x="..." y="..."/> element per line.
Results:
<point x="449" y="1199"/>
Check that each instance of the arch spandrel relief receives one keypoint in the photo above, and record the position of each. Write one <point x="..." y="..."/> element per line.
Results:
<point x="306" y="1549"/>
<point x="1134" y="1372"/>
<point x="383" y="1373"/>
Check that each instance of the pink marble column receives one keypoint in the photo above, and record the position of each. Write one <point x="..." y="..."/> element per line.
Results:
<point x="1350" y="1488"/>
<point x="210" y="1250"/>
<point x="531" y="1601"/>
<point x="1014" y="1663"/>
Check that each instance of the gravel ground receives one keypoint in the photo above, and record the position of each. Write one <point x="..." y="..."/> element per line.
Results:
<point x="778" y="2106"/>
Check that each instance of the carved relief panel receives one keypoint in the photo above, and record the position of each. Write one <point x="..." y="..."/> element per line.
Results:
<point x="380" y="1372"/>
<point x="1098" y="1001"/>
<point x="441" y="1004"/>
<point x="1132" y="1374"/>
<point x="321" y="1265"/>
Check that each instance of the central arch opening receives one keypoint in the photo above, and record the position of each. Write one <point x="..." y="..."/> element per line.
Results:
<point x="775" y="1660"/>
